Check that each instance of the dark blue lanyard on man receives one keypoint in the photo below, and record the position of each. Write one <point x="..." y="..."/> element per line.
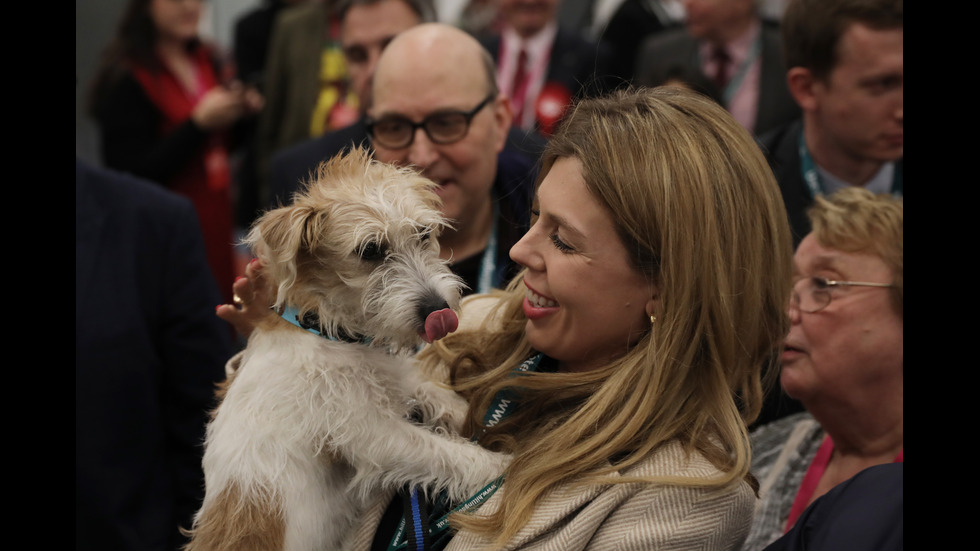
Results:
<point x="489" y="278"/>
<point x="422" y="529"/>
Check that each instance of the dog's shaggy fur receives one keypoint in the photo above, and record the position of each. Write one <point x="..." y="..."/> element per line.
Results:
<point x="309" y="428"/>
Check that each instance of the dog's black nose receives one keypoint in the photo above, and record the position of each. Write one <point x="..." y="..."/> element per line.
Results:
<point x="431" y="303"/>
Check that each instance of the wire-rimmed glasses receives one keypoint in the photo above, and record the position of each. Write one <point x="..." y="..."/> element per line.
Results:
<point x="813" y="294"/>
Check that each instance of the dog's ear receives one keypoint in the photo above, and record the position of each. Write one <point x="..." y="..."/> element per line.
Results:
<point x="314" y="229"/>
<point x="278" y="234"/>
<point x="278" y="238"/>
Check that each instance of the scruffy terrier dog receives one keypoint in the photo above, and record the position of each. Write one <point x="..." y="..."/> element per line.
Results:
<point x="315" y="420"/>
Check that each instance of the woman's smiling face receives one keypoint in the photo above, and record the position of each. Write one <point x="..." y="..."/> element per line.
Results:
<point x="587" y="303"/>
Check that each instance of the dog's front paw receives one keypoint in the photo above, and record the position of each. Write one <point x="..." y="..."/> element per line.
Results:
<point x="440" y="407"/>
<point x="478" y="474"/>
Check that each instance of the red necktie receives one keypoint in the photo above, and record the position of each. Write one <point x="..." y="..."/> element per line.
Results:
<point x="722" y="61"/>
<point x="519" y="89"/>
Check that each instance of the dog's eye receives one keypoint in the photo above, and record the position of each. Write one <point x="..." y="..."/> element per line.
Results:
<point x="373" y="251"/>
<point x="425" y="234"/>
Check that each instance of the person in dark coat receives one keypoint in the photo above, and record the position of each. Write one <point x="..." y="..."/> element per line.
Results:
<point x="149" y="351"/>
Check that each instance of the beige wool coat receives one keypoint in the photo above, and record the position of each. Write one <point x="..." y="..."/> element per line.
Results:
<point x="617" y="517"/>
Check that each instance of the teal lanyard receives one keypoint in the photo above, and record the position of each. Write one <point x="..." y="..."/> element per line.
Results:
<point x="812" y="177"/>
<point x="505" y="399"/>
<point x="488" y="264"/>
<point x="420" y="530"/>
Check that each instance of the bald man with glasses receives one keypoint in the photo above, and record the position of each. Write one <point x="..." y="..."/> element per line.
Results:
<point x="435" y="105"/>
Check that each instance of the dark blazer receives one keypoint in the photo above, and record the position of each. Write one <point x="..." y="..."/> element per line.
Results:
<point x="296" y="164"/>
<point x="252" y="33"/>
<point x="675" y="51"/>
<point x="149" y="350"/>
<point x="781" y="147"/>
<point x="633" y="21"/>
<point x="251" y="36"/>
<point x="583" y="67"/>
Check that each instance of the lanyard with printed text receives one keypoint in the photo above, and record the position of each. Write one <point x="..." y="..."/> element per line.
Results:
<point x="423" y="530"/>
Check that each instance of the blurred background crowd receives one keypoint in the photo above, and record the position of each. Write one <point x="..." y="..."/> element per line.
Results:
<point x="228" y="104"/>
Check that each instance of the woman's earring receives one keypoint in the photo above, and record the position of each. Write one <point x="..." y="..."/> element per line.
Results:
<point x="652" y="319"/>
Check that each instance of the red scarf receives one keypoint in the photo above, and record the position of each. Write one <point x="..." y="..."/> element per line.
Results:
<point x="176" y="104"/>
<point x="206" y="178"/>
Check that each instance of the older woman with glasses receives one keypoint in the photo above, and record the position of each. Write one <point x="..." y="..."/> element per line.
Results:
<point x="843" y="359"/>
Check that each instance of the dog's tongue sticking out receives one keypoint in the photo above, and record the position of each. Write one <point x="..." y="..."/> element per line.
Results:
<point x="439" y="324"/>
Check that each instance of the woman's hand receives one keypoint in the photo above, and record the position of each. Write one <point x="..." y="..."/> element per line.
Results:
<point x="253" y="99"/>
<point x="222" y="106"/>
<point x="253" y="300"/>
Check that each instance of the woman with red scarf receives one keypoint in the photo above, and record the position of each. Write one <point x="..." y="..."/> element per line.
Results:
<point x="166" y="114"/>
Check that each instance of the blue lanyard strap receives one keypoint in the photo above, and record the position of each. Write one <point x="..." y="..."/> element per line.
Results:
<point x="417" y="531"/>
<point x="488" y="264"/>
<point x="808" y="169"/>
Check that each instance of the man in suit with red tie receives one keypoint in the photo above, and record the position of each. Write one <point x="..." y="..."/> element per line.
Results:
<point x="542" y="67"/>
<point x="729" y="44"/>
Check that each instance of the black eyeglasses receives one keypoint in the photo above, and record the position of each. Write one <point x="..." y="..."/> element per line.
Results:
<point x="443" y="127"/>
<point x="812" y="294"/>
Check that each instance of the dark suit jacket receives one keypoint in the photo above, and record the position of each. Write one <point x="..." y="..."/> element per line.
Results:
<point x="148" y="351"/>
<point x="584" y="68"/>
<point x="675" y="51"/>
<point x="296" y="164"/>
<point x="633" y="21"/>
<point x="781" y="147"/>
<point x="251" y="44"/>
<point x="251" y="36"/>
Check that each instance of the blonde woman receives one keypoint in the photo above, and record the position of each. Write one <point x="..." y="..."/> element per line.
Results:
<point x="620" y="368"/>
<point x="654" y="290"/>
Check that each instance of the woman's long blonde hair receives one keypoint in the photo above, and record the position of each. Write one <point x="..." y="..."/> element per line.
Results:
<point x="696" y="204"/>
